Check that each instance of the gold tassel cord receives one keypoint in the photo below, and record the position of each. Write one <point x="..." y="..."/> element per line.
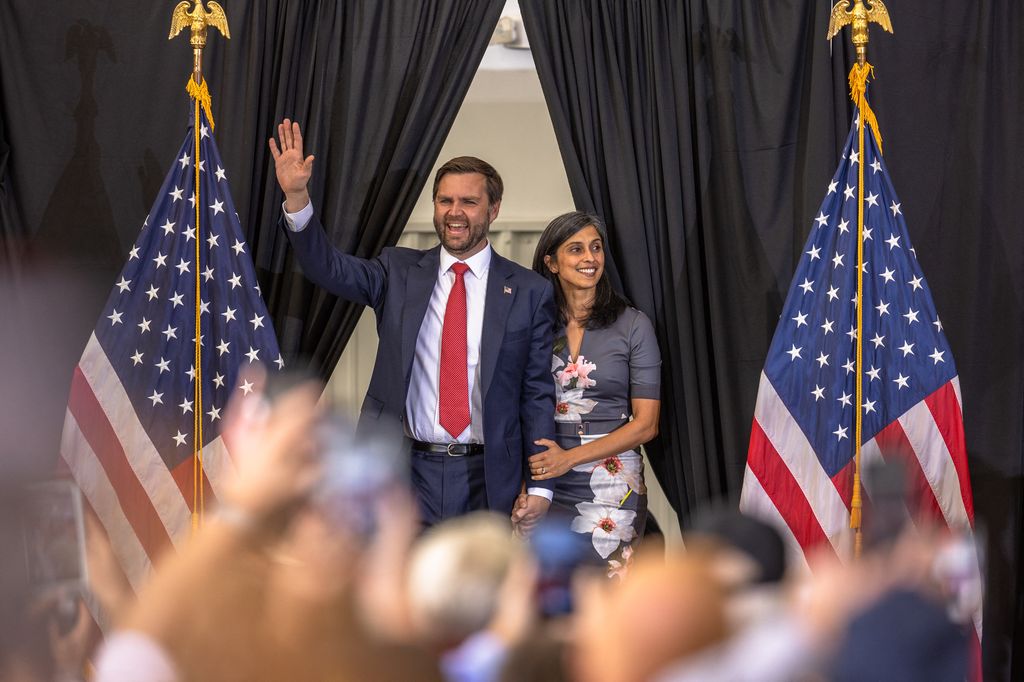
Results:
<point x="859" y="75"/>
<point x="198" y="502"/>
<point x="201" y="94"/>
<point x="856" y="503"/>
<point x="198" y="20"/>
<point x="858" y="15"/>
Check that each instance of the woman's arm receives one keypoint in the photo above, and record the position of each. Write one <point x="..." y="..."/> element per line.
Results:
<point x="555" y="461"/>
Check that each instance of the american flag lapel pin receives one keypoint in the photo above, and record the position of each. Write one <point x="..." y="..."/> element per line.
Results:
<point x="508" y="290"/>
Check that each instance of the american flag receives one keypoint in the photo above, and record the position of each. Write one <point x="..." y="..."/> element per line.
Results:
<point x="800" y="462"/>
<point x="128" y="434"/>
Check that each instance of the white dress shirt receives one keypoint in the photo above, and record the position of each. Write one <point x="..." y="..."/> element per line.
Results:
<point x="422" y="413"/>
<point x="422" y="402"/>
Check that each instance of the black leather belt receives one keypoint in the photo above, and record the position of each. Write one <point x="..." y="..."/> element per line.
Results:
<point x="453" y="449"/>
<point x="586" y="428"/>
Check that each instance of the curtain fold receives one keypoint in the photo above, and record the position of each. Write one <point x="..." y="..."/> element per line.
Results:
<point x="9" y="234"/>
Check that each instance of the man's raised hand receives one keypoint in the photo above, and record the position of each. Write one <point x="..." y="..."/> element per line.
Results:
<point x="293" y="171"/>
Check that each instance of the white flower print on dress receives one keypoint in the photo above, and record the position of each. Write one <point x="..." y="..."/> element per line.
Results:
<point x="608" y="526"/>
<point x="569" y="405"/>
<point x="556" y="362"/>
<point x="613" y="477"/>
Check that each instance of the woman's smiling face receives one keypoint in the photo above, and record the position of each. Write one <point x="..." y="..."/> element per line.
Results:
<point x="579" y="260"/>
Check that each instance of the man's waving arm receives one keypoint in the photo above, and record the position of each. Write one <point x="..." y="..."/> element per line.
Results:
<point x="354" y="279"/>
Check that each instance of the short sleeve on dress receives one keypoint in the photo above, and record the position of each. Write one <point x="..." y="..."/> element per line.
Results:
<point x="644" y="359"/>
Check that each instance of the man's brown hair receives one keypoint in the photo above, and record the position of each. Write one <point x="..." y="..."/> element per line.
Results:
<point x="471" y="164"/>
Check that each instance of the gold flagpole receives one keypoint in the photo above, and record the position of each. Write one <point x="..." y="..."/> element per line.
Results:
<point x="859" y="17"/>
<point x="198" y="20"/>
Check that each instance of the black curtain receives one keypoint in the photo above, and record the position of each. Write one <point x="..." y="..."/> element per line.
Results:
<point x="705" y="133"/>
<point x="7" y="239"/>
<point x="93" y="108"/>
<point x="376" y="87"/>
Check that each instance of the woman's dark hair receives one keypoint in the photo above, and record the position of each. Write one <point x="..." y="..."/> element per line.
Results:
<point x="608" y="303"/>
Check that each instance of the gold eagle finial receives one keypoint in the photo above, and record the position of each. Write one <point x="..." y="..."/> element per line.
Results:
<point x="860" y="16"/>
<point x="198" y="20"/>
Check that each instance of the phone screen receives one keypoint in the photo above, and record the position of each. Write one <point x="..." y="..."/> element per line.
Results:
<point x="560" y="553"/>
<point x="357" y="470"/>
<point x="54" y="535"/>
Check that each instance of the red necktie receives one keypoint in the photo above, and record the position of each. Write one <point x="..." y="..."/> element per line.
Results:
<point x="453" y="383"/>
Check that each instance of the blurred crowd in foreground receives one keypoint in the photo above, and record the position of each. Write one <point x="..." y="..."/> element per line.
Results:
<point x="280" y="585"/>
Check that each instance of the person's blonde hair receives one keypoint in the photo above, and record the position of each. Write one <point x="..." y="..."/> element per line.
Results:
<point x="455" y="573"/>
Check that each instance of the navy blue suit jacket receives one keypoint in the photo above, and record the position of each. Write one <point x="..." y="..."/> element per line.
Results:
<point x="515" y="348"/>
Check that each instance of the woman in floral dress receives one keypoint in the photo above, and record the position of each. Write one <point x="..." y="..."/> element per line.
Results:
<point x="607" y="369"/>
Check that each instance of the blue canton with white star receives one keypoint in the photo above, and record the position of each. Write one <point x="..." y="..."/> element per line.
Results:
<point x="905" y="354"/>
<point x="147" y="328"/>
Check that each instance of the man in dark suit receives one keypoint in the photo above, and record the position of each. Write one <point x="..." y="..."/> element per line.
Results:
<point x="465" y="340"/>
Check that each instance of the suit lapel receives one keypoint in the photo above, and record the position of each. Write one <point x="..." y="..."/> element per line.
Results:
<point x="500" y="295"/>
<point x="418" y="288"/>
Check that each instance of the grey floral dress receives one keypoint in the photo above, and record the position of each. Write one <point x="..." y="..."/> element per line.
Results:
<point x="606" y="499"/>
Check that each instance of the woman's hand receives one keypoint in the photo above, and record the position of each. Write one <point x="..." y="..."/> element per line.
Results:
<point x="551" y="463"/>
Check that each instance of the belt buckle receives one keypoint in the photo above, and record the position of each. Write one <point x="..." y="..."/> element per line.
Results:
<point x="450" y="452"/>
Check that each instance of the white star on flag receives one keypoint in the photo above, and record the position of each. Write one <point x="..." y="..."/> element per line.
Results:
<point x="800" y="461"/>
<point x="130" y="427"/>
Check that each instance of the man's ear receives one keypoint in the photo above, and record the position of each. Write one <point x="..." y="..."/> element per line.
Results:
<point x="492" y="210"/>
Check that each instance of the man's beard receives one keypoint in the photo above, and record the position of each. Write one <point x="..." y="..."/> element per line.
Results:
<point x="463" y="241"/>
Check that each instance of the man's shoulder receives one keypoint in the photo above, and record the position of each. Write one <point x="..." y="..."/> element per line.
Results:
<point x="405" y="256"/>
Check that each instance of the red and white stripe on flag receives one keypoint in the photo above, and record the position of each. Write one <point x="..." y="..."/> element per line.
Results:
<point x="144" y="506"/>
<point x="784" y="479"/>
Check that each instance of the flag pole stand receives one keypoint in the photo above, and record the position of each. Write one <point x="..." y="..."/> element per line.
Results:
<point x="858" y="18"/>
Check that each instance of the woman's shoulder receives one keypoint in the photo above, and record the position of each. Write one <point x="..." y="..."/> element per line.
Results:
<point x="637" y="329"/>
<point x="631" y="318"/>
